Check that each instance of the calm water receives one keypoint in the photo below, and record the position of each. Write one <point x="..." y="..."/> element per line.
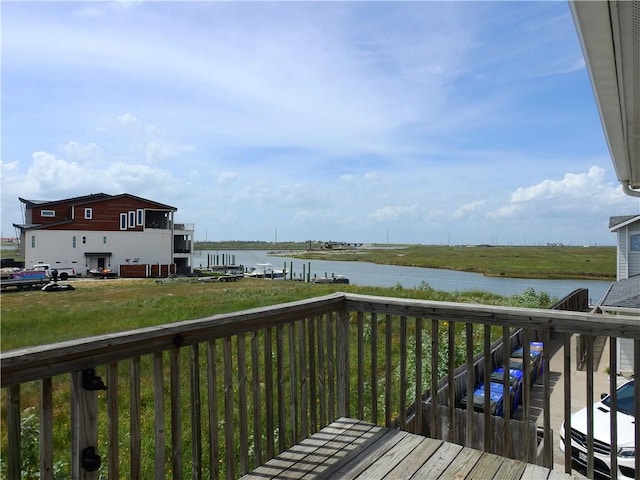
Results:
<point x="370" y="274"/>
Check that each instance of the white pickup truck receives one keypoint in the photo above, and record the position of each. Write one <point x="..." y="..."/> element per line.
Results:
<point x="63" y="272"/>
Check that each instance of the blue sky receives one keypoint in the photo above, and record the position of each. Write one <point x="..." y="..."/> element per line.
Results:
<point x="412" y="122"/>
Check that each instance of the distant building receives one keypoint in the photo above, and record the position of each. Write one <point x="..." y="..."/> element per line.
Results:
<point x="623" y="297"/>
<point x="130" y="235"/>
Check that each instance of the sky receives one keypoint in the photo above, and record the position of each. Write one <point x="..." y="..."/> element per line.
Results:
<point x="386" y="122"/>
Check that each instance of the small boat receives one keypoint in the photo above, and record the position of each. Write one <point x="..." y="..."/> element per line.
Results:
<point x="227" y="277"/>
<point x="57" y="287"/>
<point x="331" y="279"/>
<point x="265" y="270"/>
<point x="102" y="273"/>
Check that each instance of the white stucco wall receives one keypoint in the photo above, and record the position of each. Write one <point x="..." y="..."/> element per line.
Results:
<point x="56" y="247"/>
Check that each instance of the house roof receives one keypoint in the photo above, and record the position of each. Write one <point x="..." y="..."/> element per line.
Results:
<point x="622" y="220"/>
<point x="623" y="294"/>
<point x="609" y="32"/>
<point x="75" y="200"/>
<point x="36" y="226"/>
<point x="92" y="198"/>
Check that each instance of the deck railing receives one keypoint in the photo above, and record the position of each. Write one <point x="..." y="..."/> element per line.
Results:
<point x="215" y="397"/>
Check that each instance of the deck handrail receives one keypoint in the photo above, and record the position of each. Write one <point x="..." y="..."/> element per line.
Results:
<point x="269" y="376"/>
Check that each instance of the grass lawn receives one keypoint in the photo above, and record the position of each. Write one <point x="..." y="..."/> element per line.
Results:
<point x="97" y="307"/>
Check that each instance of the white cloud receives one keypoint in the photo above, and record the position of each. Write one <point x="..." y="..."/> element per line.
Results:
<point x="575" y="192"/>
<point x="88" y="152"/>
<point x="394" y="213"/>
<point x="225" y="177"/>
<point x="48" y="178"/>
<point x="468" y="209"/>
<point x="572" y="185"/>
<point x="358" y="178"/>
<point x="506" y="212"/>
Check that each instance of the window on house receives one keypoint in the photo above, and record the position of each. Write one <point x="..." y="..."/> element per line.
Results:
<point x="104" y="240"/>
<point x="132" y="219"/>
<point x="123" y="221"/>
<point x="139" y="217"/>
<point x="84" y="240"/>
<point x="33" y="241"/>
<point x="88" y="213"/>
<point x="48" y="213"/>
<point x="635" y="242"/>
<point x="74" y="241"/>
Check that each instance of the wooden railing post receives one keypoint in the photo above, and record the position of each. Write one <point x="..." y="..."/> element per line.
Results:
<point x="85" y="458"/>
<point x="14" y="461"/>
<point x="343" y="367"/>
<point x="46" y="429"/>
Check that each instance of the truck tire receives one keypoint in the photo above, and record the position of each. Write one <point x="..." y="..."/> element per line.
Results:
<point x="64" y="276"/>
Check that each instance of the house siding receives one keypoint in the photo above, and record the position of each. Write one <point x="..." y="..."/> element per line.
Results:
<point x="625" y="355"/>
<point x="105" y="217"/>
<point x="623" y="253"/>
<point x="633" y="256"/>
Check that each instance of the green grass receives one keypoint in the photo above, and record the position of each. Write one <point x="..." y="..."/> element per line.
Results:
<point x="590" y="263"/>
<point x="97" y="307"/>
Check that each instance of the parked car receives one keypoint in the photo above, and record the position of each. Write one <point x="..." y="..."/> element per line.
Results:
<point x="601" y="435"/>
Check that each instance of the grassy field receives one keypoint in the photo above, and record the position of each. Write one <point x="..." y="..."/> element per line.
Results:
<point x="590" y="263"/>
<point x="102" y="306"/>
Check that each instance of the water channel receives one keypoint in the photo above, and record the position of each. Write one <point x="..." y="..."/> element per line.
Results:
<point x="371" y="274"/>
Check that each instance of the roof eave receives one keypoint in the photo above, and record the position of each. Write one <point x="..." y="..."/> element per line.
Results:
<point x="606" y="30"/>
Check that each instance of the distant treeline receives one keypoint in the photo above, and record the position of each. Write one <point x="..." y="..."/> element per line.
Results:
<point x="257" y="245"/>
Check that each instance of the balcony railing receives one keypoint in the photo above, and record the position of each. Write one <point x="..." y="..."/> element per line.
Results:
<point x="184" y="227"/>
<point x="218" y="396"/>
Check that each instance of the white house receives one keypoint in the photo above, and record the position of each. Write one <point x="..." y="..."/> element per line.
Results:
<point x="130" y="235"/>
<point x="628" y="258"/>
<point x="623" y="297"/>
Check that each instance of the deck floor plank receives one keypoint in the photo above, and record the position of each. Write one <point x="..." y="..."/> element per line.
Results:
<point x="367" y="456"/>
<point x="319" y="451"/>
<point x="393" y="456"/>
<point x="535" y="472"/>
<point x="423" y="451"/>
<point x="511" y="469"/>
<point x="462" y="465"/>
<point x="351" y="449"/>
<point x="486" y="467"/>
<point x="439" y="461"/>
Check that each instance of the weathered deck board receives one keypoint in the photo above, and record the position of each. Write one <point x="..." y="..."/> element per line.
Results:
<point x="353" y="449"/>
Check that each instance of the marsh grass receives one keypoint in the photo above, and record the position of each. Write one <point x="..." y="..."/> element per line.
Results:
<point x="549" y="262"/>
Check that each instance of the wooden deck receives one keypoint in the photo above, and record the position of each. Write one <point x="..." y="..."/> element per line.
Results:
<point x="350" y="448"/>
